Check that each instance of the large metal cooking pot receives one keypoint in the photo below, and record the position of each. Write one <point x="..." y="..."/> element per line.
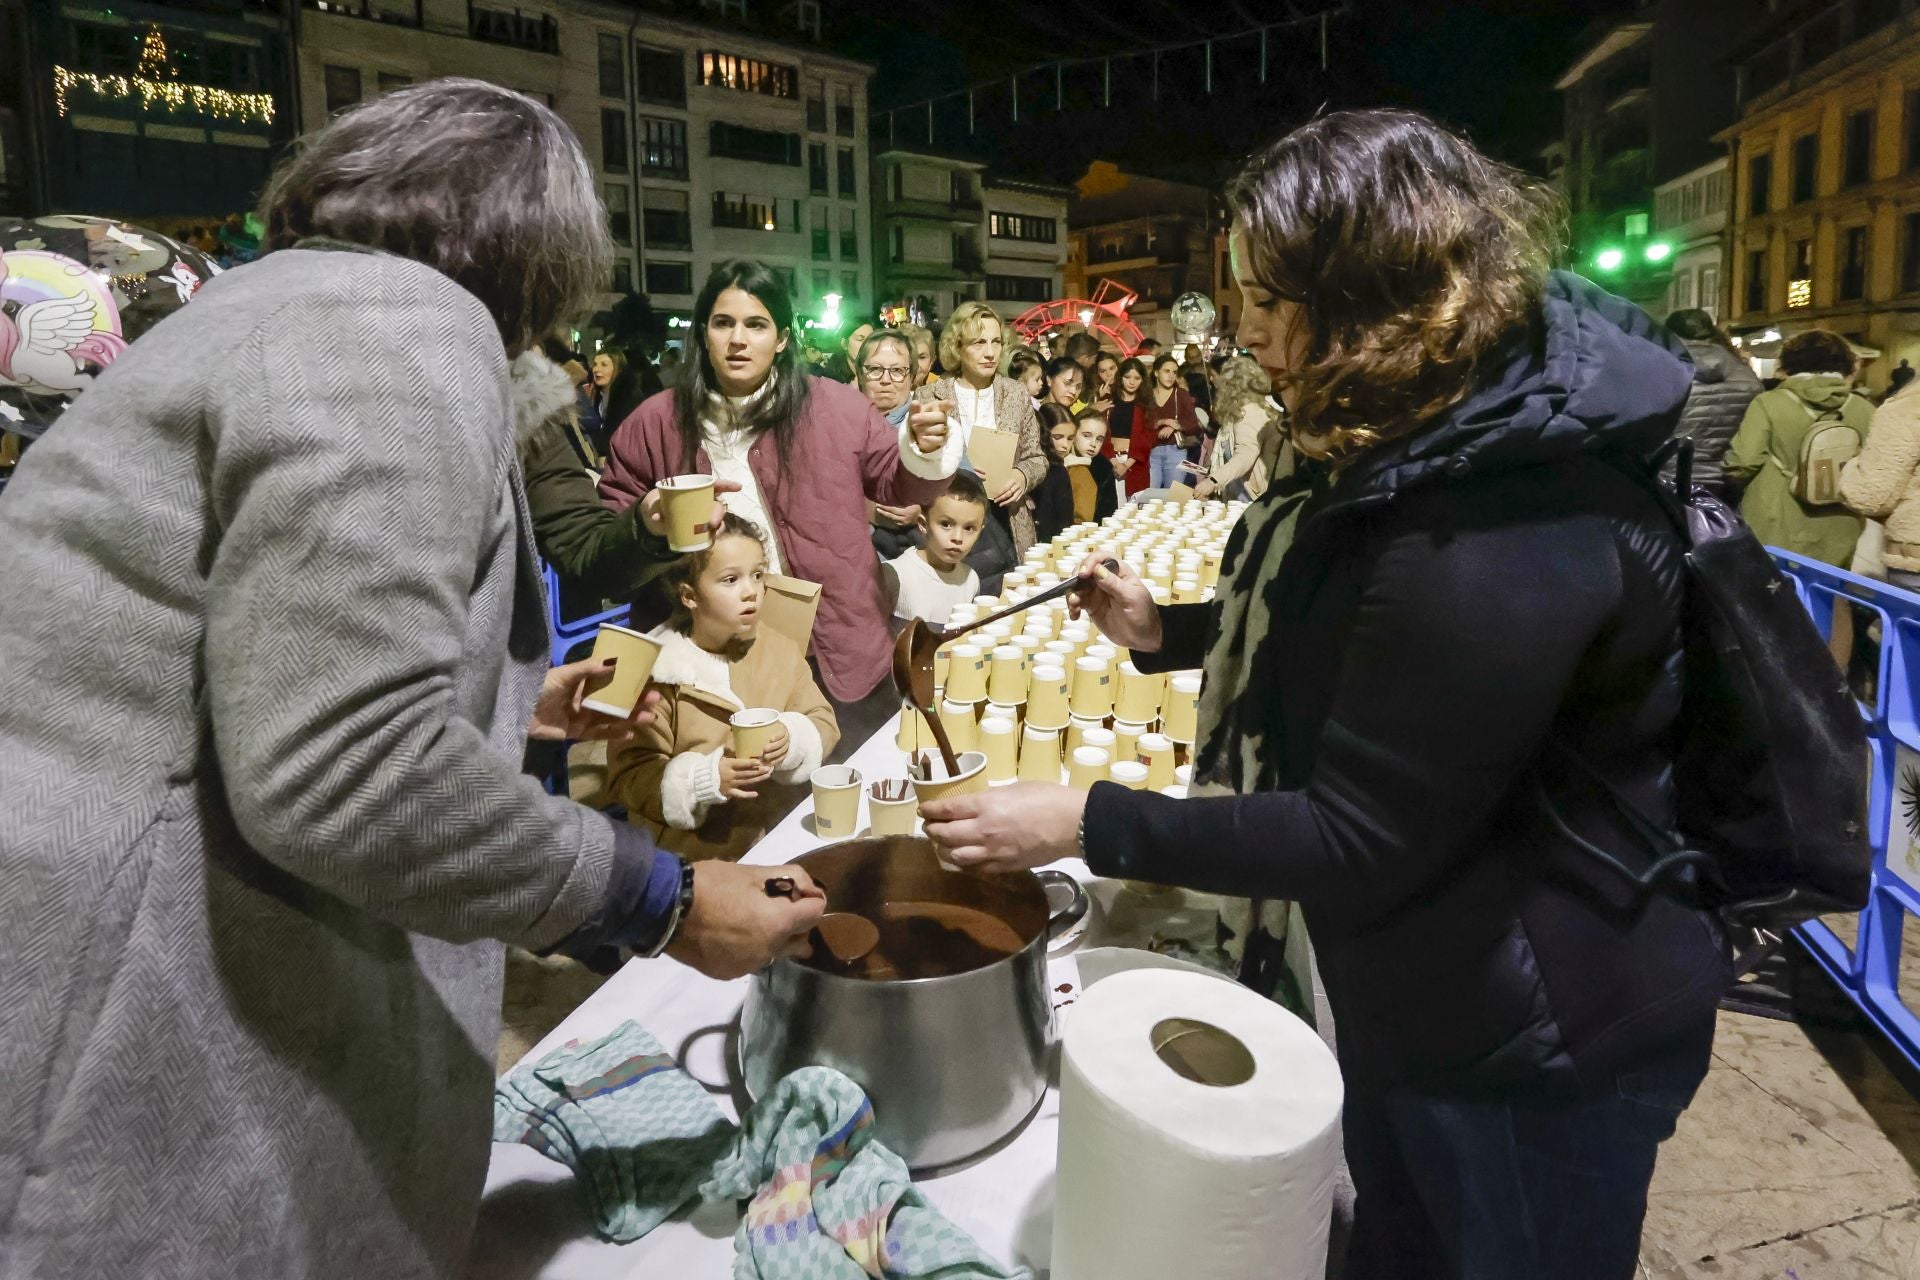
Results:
<point x="953" y="1063"/>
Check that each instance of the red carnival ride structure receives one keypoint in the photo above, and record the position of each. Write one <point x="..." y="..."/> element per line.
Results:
<point x="1104" y="314"/>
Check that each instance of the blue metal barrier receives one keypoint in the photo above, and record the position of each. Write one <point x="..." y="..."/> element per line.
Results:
<point x="1869" y="970"/>
<point x="569" y="630"/>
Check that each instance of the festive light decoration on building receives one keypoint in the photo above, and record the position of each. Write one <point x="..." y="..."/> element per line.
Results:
<point x="157" y="82"/>
<point x="1799" y="293"/>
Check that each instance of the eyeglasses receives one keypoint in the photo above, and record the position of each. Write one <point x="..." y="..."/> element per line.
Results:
<point x="884" y="373"/>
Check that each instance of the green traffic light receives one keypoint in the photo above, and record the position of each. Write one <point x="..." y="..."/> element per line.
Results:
<point x="1659" y="251"/>
<point x="1609" y="259"/>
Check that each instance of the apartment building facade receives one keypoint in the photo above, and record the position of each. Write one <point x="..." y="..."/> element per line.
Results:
<point x="1024" y="227"/>
<point x="1156" y="239"/>
<point x="1690" y="221"/>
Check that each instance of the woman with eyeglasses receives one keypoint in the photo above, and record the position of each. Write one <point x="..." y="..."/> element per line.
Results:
<point x="886" y="369"/>
<point x="982" y="397"/>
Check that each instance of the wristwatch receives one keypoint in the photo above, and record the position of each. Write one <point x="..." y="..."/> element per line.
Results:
<point x="682" y="907"/>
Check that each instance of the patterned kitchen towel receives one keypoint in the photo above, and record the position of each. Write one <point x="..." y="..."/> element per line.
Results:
<point x="826" y="1202"/>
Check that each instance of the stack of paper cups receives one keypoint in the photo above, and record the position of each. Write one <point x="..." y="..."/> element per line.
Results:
<point x="1001" y="747"/>
<point x="961" y="725"/>
<point x="1181" y="717"/>
<point x="1040" y="754"/>
<point x="1077" y="729"/>
<point x="1137" y="696"/>
<point x="1156" y="752"/>
<point x="1098" y="735"/>
<point x="1126" y="738"/>
<point x="1189" y="1100"/>
<point x="1047" y="696"/>
<point x="1092" y="688"/>
<point x="1087" y="766"/>
<point x="1062" y="652"/>
<point x="967" y="675"/>
<point x="1107" y="654"/>
<point x="1007" y="682"/>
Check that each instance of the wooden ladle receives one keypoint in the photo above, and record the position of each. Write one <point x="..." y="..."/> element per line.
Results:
<point x="913" y="655"/>
<point x="844" y="935"/>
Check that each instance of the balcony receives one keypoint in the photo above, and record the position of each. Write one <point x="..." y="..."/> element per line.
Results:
<point x="964" y="211"/>
<point x="534" y="32"/>
<point x="399" y="13"/>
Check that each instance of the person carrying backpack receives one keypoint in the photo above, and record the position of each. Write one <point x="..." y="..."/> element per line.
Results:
<point x="1792" y="445"/>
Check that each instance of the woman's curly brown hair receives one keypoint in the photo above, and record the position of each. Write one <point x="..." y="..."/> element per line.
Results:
<point x="1411" y="255"/>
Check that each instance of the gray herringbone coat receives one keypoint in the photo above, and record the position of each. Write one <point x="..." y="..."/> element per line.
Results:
<point x="271" y="633"/>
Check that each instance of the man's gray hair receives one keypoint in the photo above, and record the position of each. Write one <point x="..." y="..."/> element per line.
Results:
<point x="484" y="184"/>
<point x="873" y="344"/>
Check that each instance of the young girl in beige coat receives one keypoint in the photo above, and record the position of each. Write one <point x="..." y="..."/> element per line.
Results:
<point x="679" y="777"/>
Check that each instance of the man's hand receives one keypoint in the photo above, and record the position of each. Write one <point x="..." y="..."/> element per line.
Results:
<point x="558" y="715"/>
<point x="1204" y="487"/>
<point x="653" y="512"/>
<point x="1016" y="828"/>
<point x="927" y="424"/>
<point x="736" y="776"/>
<point x="735" y="929"/>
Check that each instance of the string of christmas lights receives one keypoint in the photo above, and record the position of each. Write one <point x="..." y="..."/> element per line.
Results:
<point x="171" y="93"/>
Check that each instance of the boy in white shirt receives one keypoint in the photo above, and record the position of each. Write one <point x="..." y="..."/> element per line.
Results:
<point x="927" y="581"/>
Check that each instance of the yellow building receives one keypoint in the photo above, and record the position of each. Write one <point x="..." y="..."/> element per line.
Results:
<point x="1825" y="222"/>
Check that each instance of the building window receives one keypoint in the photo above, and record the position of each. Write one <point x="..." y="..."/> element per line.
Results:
<point x="763" y="146"/>
<point x="960" y="188"/>
<point x="1857" y="157"/>
<point x="1680" y="296"/>
<point x="108" y="51"/>
<point x="747" y="75"/>
<point x="846" y="172"/>
<point x="1806" y="166"/>
<point x="343" y="88"/>
<point x="1759" y="184"/>
<point x="389" y="81"/>
<point x="817" y="168"/>
<point x="669" y="277"/>
<point x="849" y="284"/>
<point x="1757" y="280"/>
<point x="1710" y="290"/>
<point x="849" y="237"/>
<point x="663" y="147"/>
<point x="516" y="27"/>
<point x="1023" y="226"/>
<point x="664" y="219"/>
<point x="1019" y="288"/>
<point x="817" y="106"/>
<point x="613" y="67"/>
<point x="1853" y="264"/>
<point x="897" y="249"/>
<point x="843" y="110"/>
<point x="622" y="276"/>
<point x="746" y="213"/>
<point x="619" y="213"/>
<point x="822" y="282"/>
<point x="822" y="234"/>
<point x="659" y="75"/>
<point x="613" y="140"/>
<point x="1800" y="278"/>
<point x="1910" y="253"/>
<point x="1913" y="131"/>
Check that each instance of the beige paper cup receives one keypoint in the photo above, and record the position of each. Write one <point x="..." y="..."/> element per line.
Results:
<point x="1000" y="743"/>
<point x="1186" y="591"/>
<point x="1182" y="709"/>
<point x="687" y="503"/>
<point x="1088" y="766"/>
<point x="1126" y="738"/>
<point x="750" y="731"/>
<point x="1130" y="774"/>
<point x="836" y="802"/>
<point x="962" y="723"/>
<point x="1076" y="734"/>
<point x="1047" y="697"/>
<point x="1007" y="681"/>
<point x="1156" y="752"/>
<point x="914" y="733"/>
<point x="617" y="694"/>
<point x="1040" y="754"/>
<point x="967" y="674"/>
<point x="1092" y="688"/>
<point x="971" y="778"/>
<point x="942" y="664"/>
<point x="1137" y="696"/>
<point x="1183" y="775"/>
<point x="891" y="817"/>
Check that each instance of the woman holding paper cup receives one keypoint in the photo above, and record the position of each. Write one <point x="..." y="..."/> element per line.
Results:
<point x="980" y="397"/>
<point x="1417" y="657"/>
<point x="808" y="454"/>
<point x="266" y="829"/>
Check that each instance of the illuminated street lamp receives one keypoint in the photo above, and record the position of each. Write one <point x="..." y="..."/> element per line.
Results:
<point x="1610" y="259"/>
<point x="1659" y="251"/>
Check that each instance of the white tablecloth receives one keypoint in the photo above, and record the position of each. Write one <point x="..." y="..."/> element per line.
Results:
<point x="531" y="1224"/>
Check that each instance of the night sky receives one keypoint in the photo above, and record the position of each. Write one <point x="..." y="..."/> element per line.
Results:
<point x="1487" y="67"/>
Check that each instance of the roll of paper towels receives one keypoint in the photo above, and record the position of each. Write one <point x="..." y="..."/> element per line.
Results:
<point x="1198" y="1134"/>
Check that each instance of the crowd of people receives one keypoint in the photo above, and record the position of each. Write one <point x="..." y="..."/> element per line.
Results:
<point x="272" y="822"/>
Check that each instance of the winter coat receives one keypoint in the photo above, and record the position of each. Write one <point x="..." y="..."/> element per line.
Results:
<point x="666" y="777"/>
<point x="1106" y="498"/>
<point x="1456" y="611"/>
<point x="615" y="405"/>
<point x="842" y="450"/>
<point x="605" y="554"/>
<point x="1012" y="411"/>
<point x="1236" y="454"/>
<point x="1883" y="483"/>
<point x="1053" y="503"/>
<point x="1723" y="387"/>
<point x="273" y="634"/>
<point x="1766" y="452"/>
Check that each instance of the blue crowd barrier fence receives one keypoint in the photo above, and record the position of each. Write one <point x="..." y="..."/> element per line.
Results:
<point x="572" y="621"/>
<point x="1866" y="966"/>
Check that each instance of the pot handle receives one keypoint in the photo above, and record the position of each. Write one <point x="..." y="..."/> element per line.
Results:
<point x="1071" y="914"/>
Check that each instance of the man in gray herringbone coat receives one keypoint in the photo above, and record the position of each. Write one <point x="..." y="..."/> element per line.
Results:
<point x="273" y="637"/>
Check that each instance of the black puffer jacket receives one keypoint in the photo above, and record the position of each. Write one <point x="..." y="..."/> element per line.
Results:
<point x="1455" y="610"/>
<point x="1723" y="387"/>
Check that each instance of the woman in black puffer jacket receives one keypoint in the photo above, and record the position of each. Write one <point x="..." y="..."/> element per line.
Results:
<point x="1426" y="650"/>
<point x="1723" y="386"/>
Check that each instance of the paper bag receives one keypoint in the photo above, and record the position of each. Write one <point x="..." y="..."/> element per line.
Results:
<point x="1180" y="492"/>
<point x="789" y="607"/>
<point x="991" y="454"/>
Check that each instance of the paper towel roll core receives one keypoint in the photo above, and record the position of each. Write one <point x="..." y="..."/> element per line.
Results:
<point x="1198" y="1134"/>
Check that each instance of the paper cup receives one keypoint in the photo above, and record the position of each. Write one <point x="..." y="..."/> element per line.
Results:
<point x="1092" y="688"/>
<point x="967" y="674"/>
<point x="962" y="724"/>
<point x="914" y="733"/>
<point x="687" y="503"/>
<point x="1000" y="711"/>
<point x="1040" y="754"/>
<point x="1126" y="738"/>
<point x="1088" y="766"/>
<point x="891" y="817"/>
<point x="1078" y="727"/>
<point x="1174" y="792"/>
<point x="1000" y="743"/>
<point x="750" y="731"/>
<point x="971" y="778"/>
<point x="942" y="664"/>
<point x="1181" y="717"/>
<point x="1183" y="775"/>
<point x="1047" y="696"/>
<point x="1098" y="735"/>
<point x="1137" y="696"/>
<point x="1186" y="591"/>
<point x="1130" y="774"/>
<point x="1007" y="681"/>
<point x="1106" y="653"/>
<point x="1156" y="752"/>
<point x="618" y="693"/>
<point x="836" y="802"/>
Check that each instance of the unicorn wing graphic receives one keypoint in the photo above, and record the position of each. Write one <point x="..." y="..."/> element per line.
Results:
<point x="56" y="324"/>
